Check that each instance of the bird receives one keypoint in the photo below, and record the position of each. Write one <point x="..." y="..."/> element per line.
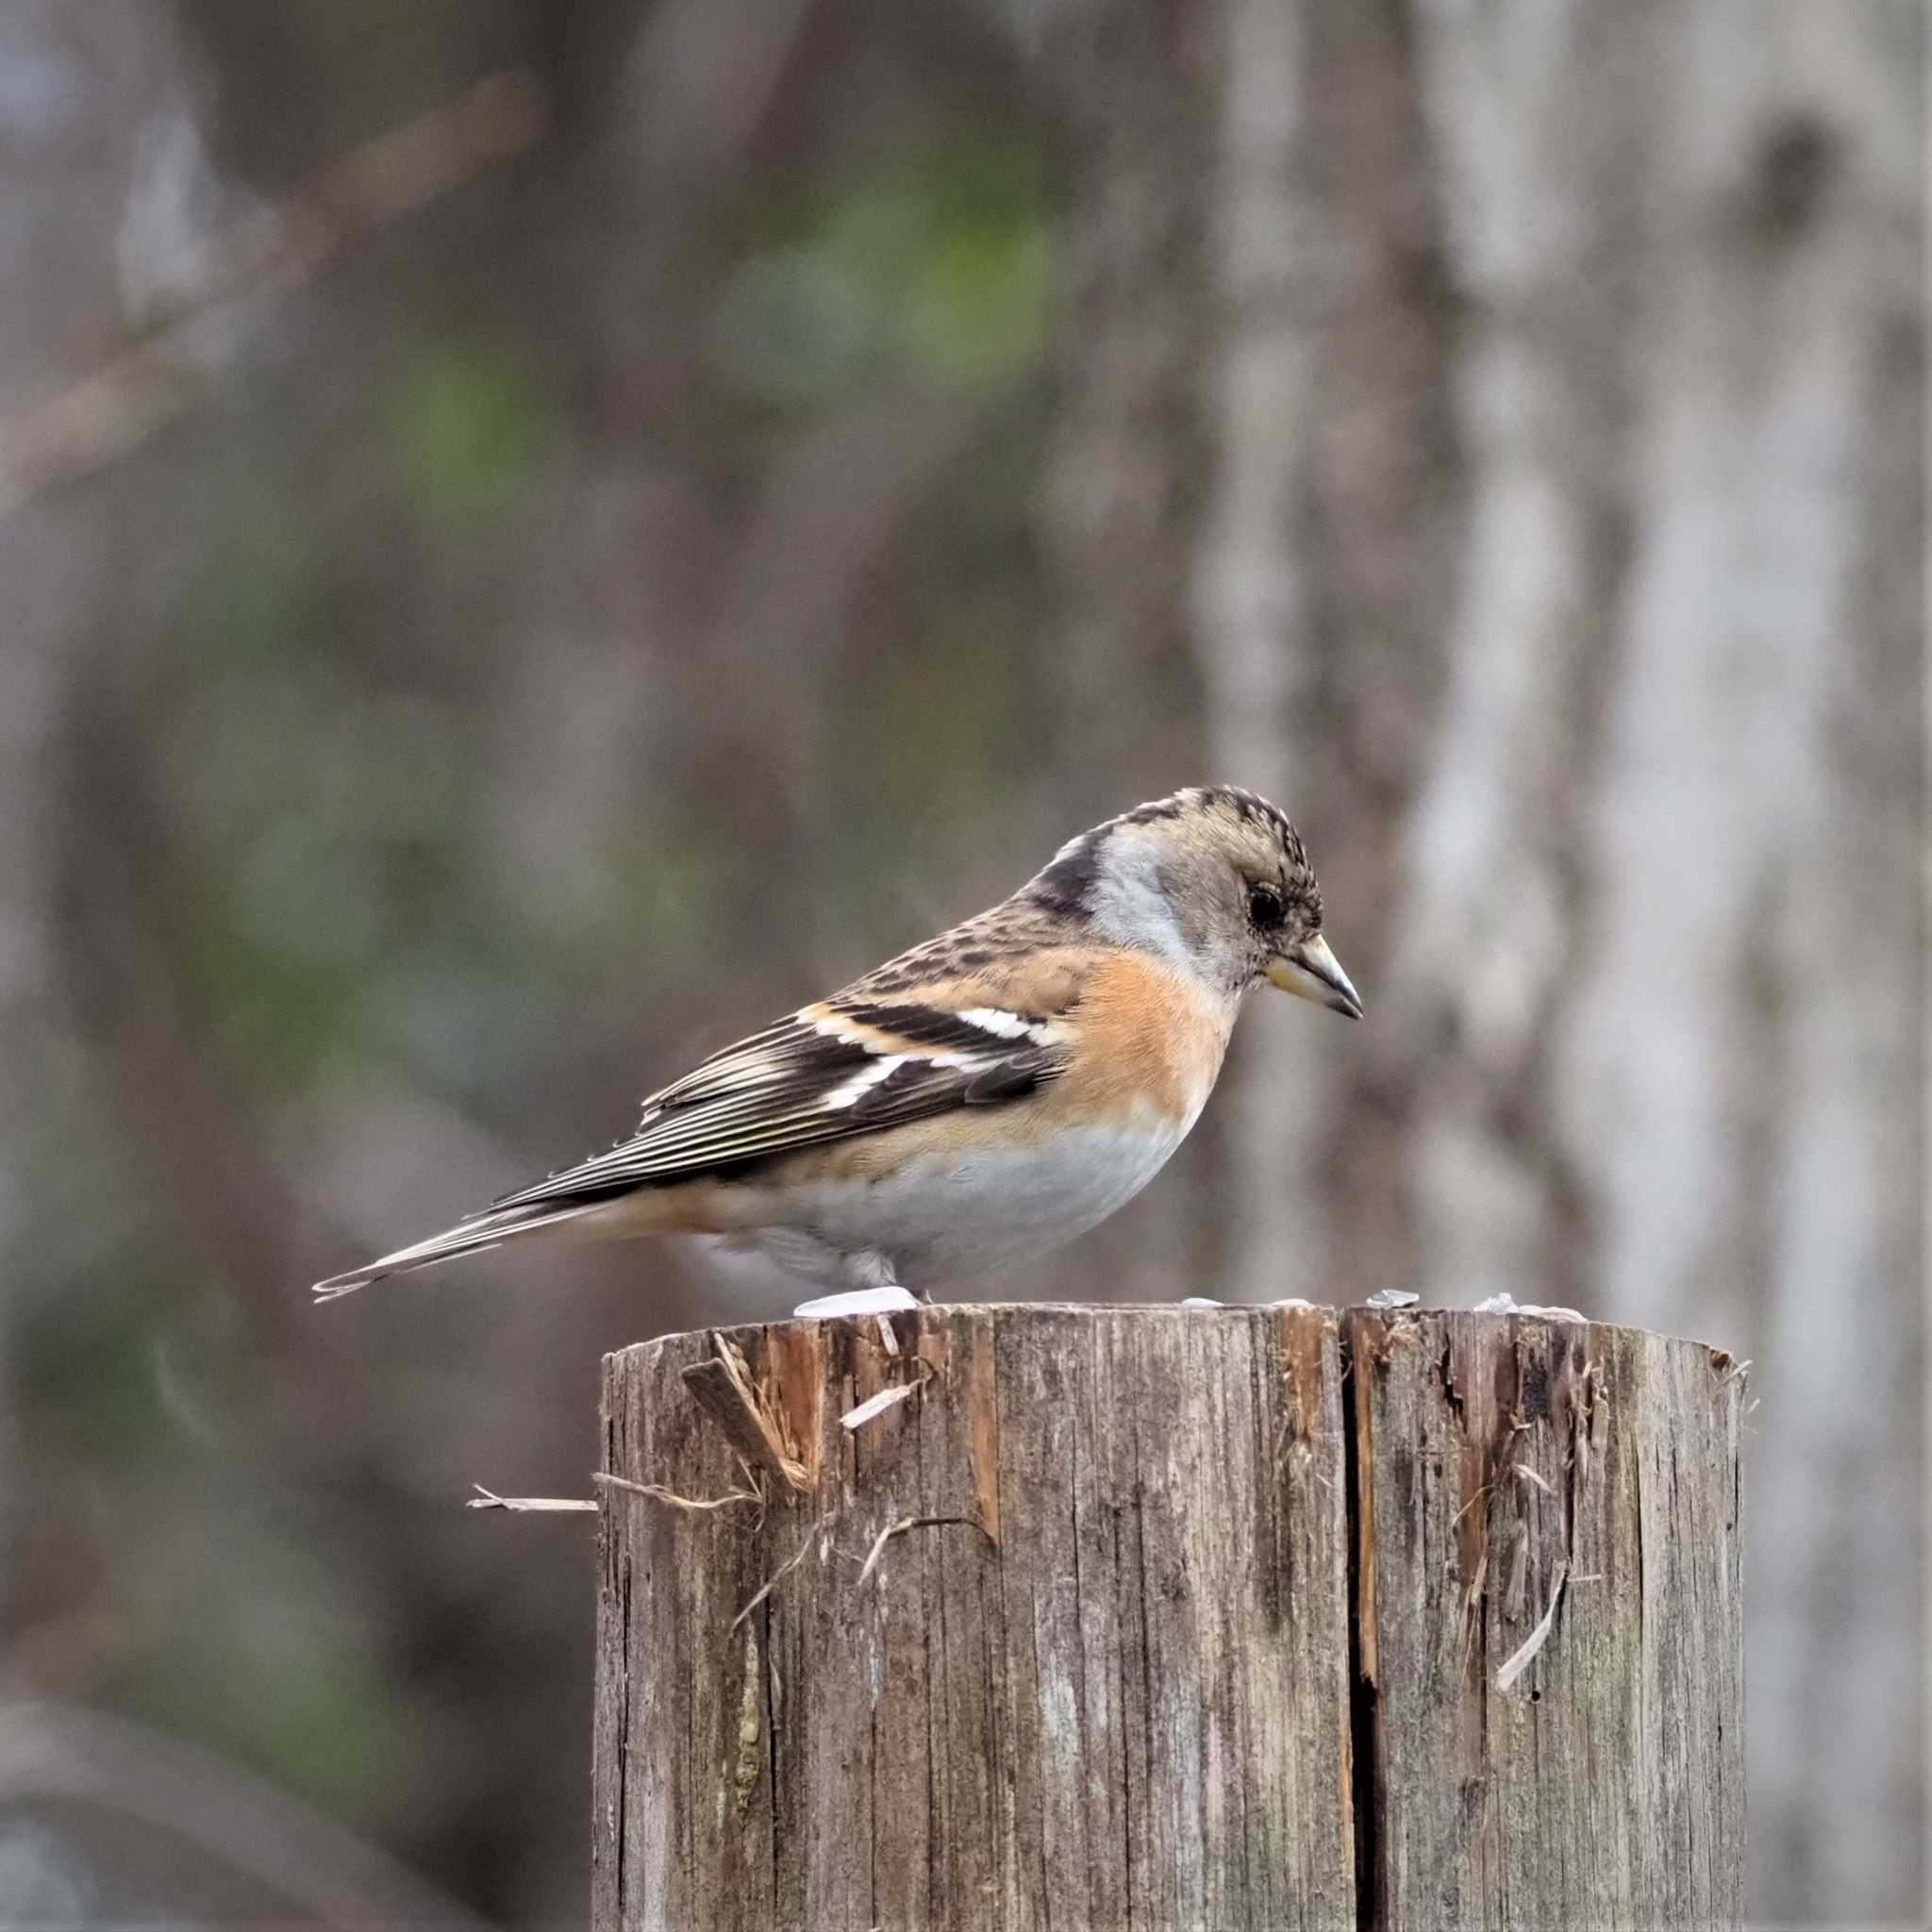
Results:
<point x="980" y="1098"/>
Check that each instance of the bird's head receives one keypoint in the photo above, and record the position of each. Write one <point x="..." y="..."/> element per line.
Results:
<point x="1214" y="878"/>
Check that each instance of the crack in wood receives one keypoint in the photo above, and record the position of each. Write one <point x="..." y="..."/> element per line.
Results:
<point x="1365" y="1792"/>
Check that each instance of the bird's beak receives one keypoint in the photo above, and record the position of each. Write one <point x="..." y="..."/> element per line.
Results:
<point x="1311" y="972"/>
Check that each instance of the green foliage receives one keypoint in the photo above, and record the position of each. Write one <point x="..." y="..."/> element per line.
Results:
<point x="288" y="1676"/>
<point x="471" y="426"/>
<point x="940" y="267"/>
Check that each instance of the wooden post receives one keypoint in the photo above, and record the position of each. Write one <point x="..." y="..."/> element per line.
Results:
<point x="1171" y="1618"/>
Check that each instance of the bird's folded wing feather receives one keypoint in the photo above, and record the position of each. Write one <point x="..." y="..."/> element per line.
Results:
<point x="850" y="1065"/>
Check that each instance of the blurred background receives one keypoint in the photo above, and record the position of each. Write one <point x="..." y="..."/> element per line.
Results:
<point x="536" y="536"/>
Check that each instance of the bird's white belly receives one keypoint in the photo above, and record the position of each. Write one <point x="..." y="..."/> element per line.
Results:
<point x="944" y="1216"/>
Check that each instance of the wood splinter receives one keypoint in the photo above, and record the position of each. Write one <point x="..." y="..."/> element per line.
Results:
<point x="557" y="1506"/>
<point x="721" y="1386"/>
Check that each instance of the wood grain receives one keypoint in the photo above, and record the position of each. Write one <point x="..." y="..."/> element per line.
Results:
<point x="1172" y="1627"/>
<point x="1500" y="1461"/>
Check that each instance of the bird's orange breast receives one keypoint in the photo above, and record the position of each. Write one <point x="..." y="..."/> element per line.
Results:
<point x="1150" y="1038"/>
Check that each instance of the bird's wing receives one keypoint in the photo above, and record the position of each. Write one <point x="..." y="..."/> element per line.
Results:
<point x="849" y="1065"/>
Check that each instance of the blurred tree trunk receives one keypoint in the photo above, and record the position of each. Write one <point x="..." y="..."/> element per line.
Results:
<point x="1256" y="455"/>
<point x="99" y="143"/>
<point x="1494" y="429"/>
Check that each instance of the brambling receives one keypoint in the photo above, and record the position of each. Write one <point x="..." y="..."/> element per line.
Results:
<point x="982" y="1097"/>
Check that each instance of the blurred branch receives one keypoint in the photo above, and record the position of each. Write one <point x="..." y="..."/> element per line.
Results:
<point x="53" y="1752"/>
<point x="116" y="407"/>
<point x="708" y="71"/>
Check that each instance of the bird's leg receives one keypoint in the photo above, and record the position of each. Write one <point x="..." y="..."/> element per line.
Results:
<point x="871" y="1268"/>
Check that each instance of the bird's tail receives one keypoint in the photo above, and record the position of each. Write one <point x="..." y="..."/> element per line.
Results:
<point x="489" y="1230"/>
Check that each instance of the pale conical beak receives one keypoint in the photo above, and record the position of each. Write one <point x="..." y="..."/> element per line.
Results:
<point x="1311" y="972"/>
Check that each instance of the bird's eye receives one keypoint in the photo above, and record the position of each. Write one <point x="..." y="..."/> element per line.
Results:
<point x="1264" y="907"/>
